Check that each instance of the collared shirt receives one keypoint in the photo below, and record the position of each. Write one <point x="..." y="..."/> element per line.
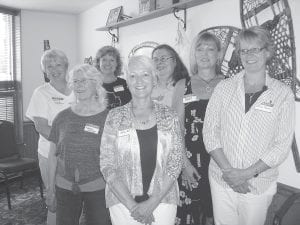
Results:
<point x="120" y="153"/>
<point x="263" y="133"/>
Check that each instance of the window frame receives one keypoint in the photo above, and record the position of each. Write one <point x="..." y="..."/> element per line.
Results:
<point x="14" y="87"/>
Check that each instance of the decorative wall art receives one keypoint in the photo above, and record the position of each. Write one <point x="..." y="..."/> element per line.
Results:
<point x="114" y="15"/>
<point x="146" y="6"/>
<point x="144" y="48"/>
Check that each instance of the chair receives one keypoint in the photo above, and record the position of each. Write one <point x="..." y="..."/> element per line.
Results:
<point x="12" y="166"/>
<point x="288" y="213"/>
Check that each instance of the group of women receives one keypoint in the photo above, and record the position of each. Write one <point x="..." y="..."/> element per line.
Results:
<point x="138" y="145"/>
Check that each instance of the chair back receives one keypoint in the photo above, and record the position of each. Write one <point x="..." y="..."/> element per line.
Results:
<point x="8" y="146"/>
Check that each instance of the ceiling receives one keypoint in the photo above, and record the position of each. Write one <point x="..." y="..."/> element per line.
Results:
<point x="60" y="6"/>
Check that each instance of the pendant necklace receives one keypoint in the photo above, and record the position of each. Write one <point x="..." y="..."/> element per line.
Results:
<point x="139" y="121"/>
<point x="208" y="88"/>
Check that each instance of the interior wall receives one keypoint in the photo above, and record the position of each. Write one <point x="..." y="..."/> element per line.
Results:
<point x="59" y="29"/>
<point x="164" y="30"/>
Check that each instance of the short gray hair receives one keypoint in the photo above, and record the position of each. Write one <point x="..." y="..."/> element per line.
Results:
<point x="142" y="60"/>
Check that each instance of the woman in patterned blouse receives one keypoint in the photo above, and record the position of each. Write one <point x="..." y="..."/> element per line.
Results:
<point x="141" y="154"/>
<point x="190" y="100"/>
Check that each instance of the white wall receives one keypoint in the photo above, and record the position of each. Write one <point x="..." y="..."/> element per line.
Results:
<point x="59" y="29"/>
<point x="163" y="30"/>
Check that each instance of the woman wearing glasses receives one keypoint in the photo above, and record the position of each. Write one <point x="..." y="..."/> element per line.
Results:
<point x="248" y="132"/>
<point x="170" y="70"/>
<point x="141" y="154"/>
<point x="74" y="171"/>
<point x="108" y="62"/>
<point x="191" y="96"/>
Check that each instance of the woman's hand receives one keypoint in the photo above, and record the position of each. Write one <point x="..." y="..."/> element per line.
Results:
<point x="143" y="212"/>
<point x="237" y="179"/>
<point x="190" y="176"/>
<point x="51" y="201"/>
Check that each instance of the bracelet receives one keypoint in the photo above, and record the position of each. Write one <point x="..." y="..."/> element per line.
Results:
<point x="256" y="173"/>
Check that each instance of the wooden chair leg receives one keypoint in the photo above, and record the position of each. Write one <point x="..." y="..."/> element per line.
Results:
<point x="6" y="183"/>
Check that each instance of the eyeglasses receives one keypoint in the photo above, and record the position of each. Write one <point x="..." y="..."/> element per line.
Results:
<point x="162" y="59"/>
<point x="251" y="51"/>
<point x="83" y="82"/>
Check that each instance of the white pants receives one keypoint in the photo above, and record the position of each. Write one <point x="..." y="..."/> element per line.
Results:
<point x="232" y="208"/>
<point x="43" y="164"/>
<point x="164" y="214"/>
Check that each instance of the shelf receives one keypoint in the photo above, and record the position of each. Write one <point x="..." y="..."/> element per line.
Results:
<point x="154" y="14"/>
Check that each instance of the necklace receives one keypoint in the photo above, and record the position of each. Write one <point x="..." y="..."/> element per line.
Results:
<point x="139" y="121"/>
<point x="250" y="95"/>
<point x="208" y="88"/>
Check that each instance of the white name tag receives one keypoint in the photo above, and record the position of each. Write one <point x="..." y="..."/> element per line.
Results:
<point x="118" y="88"/>
<point x="91" y="128"/>
<point x="122" y="133"/>
<point x="189" y="98"/>
<point x="265" y="108"/>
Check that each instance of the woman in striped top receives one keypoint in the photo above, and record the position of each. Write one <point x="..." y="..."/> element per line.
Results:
<point x="248" y="131"/>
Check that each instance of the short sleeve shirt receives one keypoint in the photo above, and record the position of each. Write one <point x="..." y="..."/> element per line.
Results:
<point x="46" y="102"/>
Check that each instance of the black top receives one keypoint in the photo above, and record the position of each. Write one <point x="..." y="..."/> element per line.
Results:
<point x="117" y="93"/>
<point x="250" y="98"/>
<point x="148" y="150"/>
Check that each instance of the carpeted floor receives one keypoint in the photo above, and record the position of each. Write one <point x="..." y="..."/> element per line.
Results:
<point x="27" y="206"/>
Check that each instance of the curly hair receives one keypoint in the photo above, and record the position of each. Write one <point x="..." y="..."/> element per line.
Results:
<point x="89" y="72"/>
<point x="112" y="51"/>
<point x="180" y="70"/>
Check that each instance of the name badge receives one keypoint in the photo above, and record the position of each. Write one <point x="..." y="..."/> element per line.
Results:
<point x="91" y="128"/>
<point x="118" y="88"/>
<point x="122" y="133"/>
<point x="265" y="106"/>
<point x="58" y="100"/>
<point x="189" y="98"/>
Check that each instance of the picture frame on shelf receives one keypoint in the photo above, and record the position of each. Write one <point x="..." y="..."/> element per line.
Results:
<point x="114" y="15"/>
<point x="164" y="3"/>
<point x="146" y="6"/>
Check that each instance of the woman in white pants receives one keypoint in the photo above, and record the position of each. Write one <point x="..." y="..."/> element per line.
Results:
<point x="141" y="154"/>
<point x="248" y="131"/>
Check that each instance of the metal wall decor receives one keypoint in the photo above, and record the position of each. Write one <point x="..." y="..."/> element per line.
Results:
<point x="144" y="48"/>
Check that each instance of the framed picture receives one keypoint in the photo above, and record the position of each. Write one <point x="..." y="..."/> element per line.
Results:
<point x="146" y="6"/>
<point x="163" y="4"/>
<point x="114" y="15"/>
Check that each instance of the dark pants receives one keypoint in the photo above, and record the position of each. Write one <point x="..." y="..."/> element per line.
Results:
<point x="69" y="207"/>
